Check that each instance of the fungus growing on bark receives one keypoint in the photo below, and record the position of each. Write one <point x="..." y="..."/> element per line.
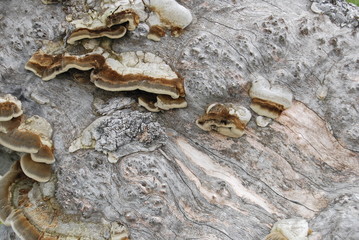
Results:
<point x="21" y="141"/>
<point x="10" y="107"/>
<point x="32" y="135"/>
<point x="5" y="192"/>
<point x="166" y="14"/>
<point x="116" y="18"/>
<point x="118" y="72"/>
<point x="8" y="126"/>
<point x="112" y="24"/>
<point x="289" y="229"/>
<point x="166" y="103"/>
<point x="155" y="103"/>
<point x="48" y="66"/>
<point x="33" y="212"/>
<point x="267" y="100"/>
<point x="40" y="172"/>
<point x="227" y="119"/>
<point x="148" y="102"/>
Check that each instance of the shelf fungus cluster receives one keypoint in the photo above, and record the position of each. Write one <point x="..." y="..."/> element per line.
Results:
<point x="290" y="229"/>
<point x="228" y="119"/>
<point x="115" y="18"/>
<point x="267" y="100"/>
<point x="31" y="136"/>
<point x="118" y="72"/>
<point x="31" y="209"/>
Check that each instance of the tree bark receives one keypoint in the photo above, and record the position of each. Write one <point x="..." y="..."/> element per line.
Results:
<point x="202" y="185"/>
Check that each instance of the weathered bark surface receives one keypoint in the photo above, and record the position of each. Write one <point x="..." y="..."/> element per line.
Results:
<point x="202" y="185"/>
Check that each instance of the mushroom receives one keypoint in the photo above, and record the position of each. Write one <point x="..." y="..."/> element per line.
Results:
<point x="31" y="136"/>
<point x="148" y="102"/>
<point x="40" y="172"/>
<point x="23" y="228"/>
<point x="8" y="126"/>
<point x="138" y="70"/>
<point x="21" y="141"/>
<point x="116" y="18"/>
<point x="10" y="107"/>
<point x="166" y="102"/>
<point x="116" y="72"/>
<point x="267" y="100"/>
<point x="166" y="14"/>
<point x="113" y="23"/>
<point x="5" y="192"/>
<point x="289" y="229"/>
<point x="48" y="66"/>
<point x="228" y="119"/>
<point x="117" y="31"/>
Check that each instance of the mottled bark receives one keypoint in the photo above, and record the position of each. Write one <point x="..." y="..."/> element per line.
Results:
<point x="202" y="185"/>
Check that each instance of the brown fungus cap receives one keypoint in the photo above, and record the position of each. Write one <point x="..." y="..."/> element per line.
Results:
<point x="5" y="193"/>
<point x="8" y="126"/>
<point x="21" y="141"/>
<point x="10" y="107"/>
<point x="148" y="102"/>
<point x="44" y="155"/>
<point x="227" y="119"/>
<point x="23" y="228"/>
<point x="40" y="172"/>
<point x="268" y="100"/>
<point x="113" y="32"/>
<point x="49" y="66"/>
<point x="128" y="16"/>
<point x="166" y="102"/>
<point x="114" y="72"/>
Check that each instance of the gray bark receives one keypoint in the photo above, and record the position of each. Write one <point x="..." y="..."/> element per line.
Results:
<point x="202" y="185"/>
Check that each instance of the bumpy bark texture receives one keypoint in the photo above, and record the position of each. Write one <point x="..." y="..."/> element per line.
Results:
<point x="201" y="185"/>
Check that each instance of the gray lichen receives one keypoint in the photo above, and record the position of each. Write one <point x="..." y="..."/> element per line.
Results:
<point x="123" y="133"/>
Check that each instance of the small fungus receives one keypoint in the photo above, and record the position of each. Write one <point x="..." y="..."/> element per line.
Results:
<point x="5" y="192"/>
<point x="21" y="141"/>
<point x="155" y="103"/>
<point x="10" y="107"/>
<point x="148" y="102"/>
<point x="40" y="172"/>
<point x="166" y="102"/>
<point x="289" y="229"/>
<point x="166" y="14"/>
<point x="267" y="100"/>
<point x="8" y="126"/>
<point x="263" y="121"/>
<point x="228" y="119"/>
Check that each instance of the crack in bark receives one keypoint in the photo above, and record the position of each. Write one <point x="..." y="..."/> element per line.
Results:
<point x="258" y="179"/>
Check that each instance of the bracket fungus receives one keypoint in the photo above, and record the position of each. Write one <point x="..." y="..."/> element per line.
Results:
<point x="40" y="172"/>
<point x="267" y="100"/>
<point x="227" y="119"/>
<point x="161" y="102"/>
<point x="166" y="14"/>
<point x="289" y="229"/>
<point x="117" y="72"/>
<point x="115" y="18"/>
<point x="31" y="136"/>
<point x="10" y="107"/>
<point x="34" y="214"/>
<point x="113" y="23"/>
